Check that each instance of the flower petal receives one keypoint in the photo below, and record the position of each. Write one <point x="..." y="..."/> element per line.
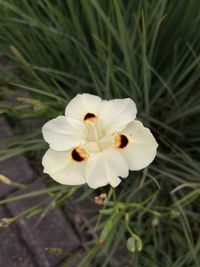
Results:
<point x="141" y="150"/>
<point x="63" y="133"/>
<point x="60" y="166"/>
<point x="105" y="167"/>
<point x="117" y="113"/>
<point x="114" y="181"/>
<point x="81" y="105"/>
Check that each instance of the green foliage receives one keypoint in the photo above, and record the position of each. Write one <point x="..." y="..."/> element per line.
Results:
<point x="146" y="50"/>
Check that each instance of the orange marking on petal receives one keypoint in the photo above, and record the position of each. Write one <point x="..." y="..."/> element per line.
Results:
<point x="121" y="141"/>
<point x="78" y="154"/>
<point x="89" y="116"/>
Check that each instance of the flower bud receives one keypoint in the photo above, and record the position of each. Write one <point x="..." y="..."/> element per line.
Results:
<point x="5" y="179"/>
<point x="105" y="232"/>
<point x="5" y="222"/>
<point x="134" y="243"/>
<point x="154" y="223"/>
<point x="56" y="251"/>
<point x="101" y="200"/>
<point x="131" y="244"/>
<point x="174" y="214"/>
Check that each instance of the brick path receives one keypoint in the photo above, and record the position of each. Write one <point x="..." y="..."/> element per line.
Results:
<point x="23" y="243"/>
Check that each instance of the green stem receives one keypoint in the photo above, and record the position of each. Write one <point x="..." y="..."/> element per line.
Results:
<point x="32" y="194"/>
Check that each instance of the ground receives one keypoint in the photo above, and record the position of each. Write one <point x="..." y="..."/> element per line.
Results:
<point x="26" y="242"/>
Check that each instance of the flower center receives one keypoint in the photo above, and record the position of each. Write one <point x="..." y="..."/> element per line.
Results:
<point x="97" y="140"/>
<point x="94" y="130"/>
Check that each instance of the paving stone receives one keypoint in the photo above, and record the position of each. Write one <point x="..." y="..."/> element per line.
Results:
<point x="53" y="231"/>
<point x="82" y="214"/>
<point x="84" y="209"/>
<point x="15" y="168"/>
<point x="13" y="252"/>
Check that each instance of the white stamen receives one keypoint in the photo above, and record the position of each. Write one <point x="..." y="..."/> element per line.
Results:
<point x="92" y="147"/>
<point x="93" y="131"/>
<point x="97" y="141"/>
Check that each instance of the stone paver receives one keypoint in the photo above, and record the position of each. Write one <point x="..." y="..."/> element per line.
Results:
<point x="13" y="252"/>
<point x="53" y="231"/>
<point x="15" y="168"/>
<point x="25" y="243"/>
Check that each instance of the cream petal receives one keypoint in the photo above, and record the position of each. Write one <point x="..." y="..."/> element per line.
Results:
<point x="105" y="167"/>
<point x="114" y="181"/>
<point x="60" y="166"/>
<point x="54" y="161"/>
<point x="116" y="114"/>
<point x="82" y="104"/>
<point x="63" y="133"/>
<point x="141" y="150"/>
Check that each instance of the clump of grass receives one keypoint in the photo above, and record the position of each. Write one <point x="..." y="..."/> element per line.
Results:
<point x="146" y="50"/>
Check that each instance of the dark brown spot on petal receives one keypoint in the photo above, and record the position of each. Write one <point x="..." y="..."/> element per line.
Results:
<point x="78" y="154"/>
<point x="121" y="141"/>
<point x="89" y="116"/>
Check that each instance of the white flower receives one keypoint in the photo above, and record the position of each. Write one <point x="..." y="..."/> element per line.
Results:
<point x="96" y="142"/>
